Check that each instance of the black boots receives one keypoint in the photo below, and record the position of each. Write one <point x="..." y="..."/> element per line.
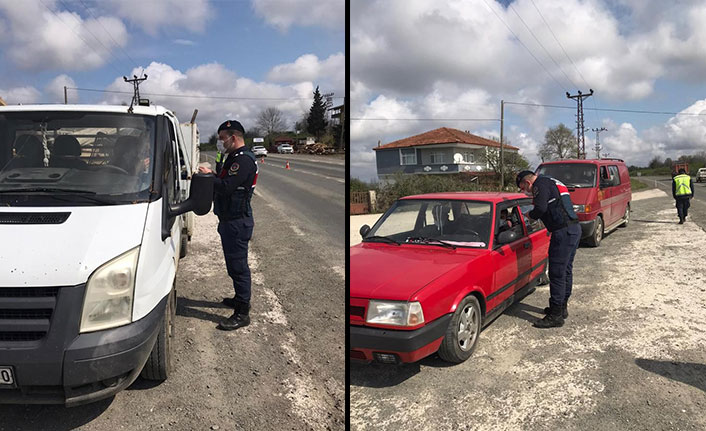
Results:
<point x="681" y="220"/>
<point x="564" y="311"/>
<point x="554" y="319"/>
<point x="230" y="302"/>
<point x="240" y="317"/>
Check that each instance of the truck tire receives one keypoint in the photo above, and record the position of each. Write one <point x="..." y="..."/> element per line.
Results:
<point x="183" y="247"/>
<point x="463" y="332"/>
<point x="159" y="365"/>
<point x="595" y="239"/>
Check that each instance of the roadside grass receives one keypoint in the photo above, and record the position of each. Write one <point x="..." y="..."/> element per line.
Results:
<point x="637" y="185"/>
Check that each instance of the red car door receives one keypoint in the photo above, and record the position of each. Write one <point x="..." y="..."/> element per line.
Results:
<point x="539" y="237"/>
<point x="512" y="261"/>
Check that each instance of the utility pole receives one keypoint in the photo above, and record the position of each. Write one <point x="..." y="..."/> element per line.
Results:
<point x="136" y="89"/>
<point x="580" y="139"/>
<point x="502" y="118"/>
<point x="598" y="145"/>
<point x="66" y="98"/>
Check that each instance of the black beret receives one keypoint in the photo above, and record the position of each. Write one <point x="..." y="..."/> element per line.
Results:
<point x="521" y="175"/>
<point x="232" y="125"/>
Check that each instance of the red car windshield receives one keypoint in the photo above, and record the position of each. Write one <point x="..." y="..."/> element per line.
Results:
<point x="422" y="221"/>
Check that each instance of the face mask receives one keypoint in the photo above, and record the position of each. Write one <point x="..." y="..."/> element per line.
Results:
<point x="221" y="148"/>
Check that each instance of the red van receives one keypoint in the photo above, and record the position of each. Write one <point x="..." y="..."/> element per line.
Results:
<point x="600" y="191"/>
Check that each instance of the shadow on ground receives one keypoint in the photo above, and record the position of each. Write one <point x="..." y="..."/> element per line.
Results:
<point x="686" y="372"/>
<point x="50" y="417"/>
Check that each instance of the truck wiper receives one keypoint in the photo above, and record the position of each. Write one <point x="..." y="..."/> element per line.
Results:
<point x="86" y="194"/>
<point x="430" y="241"/>
<point x="376" y="238"/>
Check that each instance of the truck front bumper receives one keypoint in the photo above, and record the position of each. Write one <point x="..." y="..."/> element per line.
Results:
<point x="372" y="344"/>
<point x="65" y="367"/>
<point x="587" y="228"/>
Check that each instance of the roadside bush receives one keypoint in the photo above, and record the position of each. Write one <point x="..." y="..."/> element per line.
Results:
<point x="357" y="185"/>
<point x="405" y="185"/>
<point x="637" y="185"/>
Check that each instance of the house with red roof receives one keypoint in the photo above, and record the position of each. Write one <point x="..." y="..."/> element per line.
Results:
<point x="438" y="151"/>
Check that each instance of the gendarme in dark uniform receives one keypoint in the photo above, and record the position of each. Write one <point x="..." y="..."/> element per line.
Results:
<point x="233" y="189"/>
<point x="552" y="205"/>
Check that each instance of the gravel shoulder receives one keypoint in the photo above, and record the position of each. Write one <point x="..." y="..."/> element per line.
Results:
<point x="631" y="357"/>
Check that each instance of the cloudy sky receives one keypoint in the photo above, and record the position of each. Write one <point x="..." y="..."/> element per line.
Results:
<point x="457" y="59"/>
<point x="254" y="49"/>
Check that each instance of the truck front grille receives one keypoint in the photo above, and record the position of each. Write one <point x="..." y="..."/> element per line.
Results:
<point x="25" y="313"/>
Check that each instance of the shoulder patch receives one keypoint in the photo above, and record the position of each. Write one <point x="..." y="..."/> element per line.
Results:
<point x="535" y="191"/>
<point x="233" y="169"/>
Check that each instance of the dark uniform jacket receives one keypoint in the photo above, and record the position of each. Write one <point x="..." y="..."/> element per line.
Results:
<point x="234" y="185"/>
<point x="552" y="203"/>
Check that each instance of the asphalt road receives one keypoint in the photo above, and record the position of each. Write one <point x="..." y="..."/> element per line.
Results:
<point x="284" y="371"/>
<point x="631" y="356"/>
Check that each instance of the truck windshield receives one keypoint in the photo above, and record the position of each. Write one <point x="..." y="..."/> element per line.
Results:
<point x="571" y="174"/>
<point x="83" y="158"/>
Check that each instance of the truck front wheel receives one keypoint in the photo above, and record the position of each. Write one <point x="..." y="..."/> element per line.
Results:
<point x="159" y="364"/>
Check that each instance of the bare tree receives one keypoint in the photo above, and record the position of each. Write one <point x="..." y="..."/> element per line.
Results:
<point x="271" y="120"/>
<point x="559" y="142"/>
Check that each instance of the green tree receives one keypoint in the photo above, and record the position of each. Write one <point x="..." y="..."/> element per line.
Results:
<point x="513" y="162"/>
<point x="559" y="143"/>
<point x="656" y="162"/>
<point x="316" y="121"/>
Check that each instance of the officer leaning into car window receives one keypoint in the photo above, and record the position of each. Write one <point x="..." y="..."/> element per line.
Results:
<point x="233" y="190"/>
<point x="553" y="206"/>
<point x="682" y="191"/>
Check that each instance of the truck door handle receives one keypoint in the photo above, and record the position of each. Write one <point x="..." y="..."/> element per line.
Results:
<point x="526" y="245"/>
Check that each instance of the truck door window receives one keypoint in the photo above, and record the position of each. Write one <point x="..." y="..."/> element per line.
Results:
<point x="178" y="158"/>
<point x="614" y="175"/>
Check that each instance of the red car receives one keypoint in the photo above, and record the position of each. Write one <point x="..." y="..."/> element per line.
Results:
<point x="436" y="268"/>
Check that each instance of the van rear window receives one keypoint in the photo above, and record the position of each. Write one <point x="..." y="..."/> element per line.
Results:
<point x="571" y="174"/>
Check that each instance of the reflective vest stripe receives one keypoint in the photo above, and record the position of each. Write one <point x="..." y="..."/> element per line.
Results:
<point x="682" y="185"/>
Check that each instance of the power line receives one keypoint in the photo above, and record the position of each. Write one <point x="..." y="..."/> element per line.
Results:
<point x="542" y="46"/>
<point x="425" y="119"/>
<point x="109" y="35"/>
<point x="194" y="96"/>
<point x="524" y="46"/>
<point x="77" y="34"/>
<point x="566" y="54"/>
<point x="632" y="111"/>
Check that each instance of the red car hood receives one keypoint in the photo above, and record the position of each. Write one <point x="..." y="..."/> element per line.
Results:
<point x="383" y="271"/>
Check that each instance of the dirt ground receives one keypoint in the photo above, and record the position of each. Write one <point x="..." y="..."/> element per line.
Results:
<point x="630" y="357"/>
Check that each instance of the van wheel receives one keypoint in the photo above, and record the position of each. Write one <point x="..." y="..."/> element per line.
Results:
<point x="626" y="217"/>
<point x="544" y="277"/>
<point x="462" y="334"/>
<point x="595" y="239"/>
<point x="183" y="247"/>
<point x="159" y="364"/>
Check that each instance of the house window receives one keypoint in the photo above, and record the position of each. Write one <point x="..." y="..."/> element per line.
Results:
<point x="408" y="156"/>
<point x="468" y="157"/>
<point x="436" y="157"/>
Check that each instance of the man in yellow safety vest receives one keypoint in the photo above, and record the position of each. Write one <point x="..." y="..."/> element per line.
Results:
<point x="683" y="191"/>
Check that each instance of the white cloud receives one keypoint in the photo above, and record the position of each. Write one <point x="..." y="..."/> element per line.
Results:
<point x="286" y="13"/>
<point x="308" y="67"/>
<point x="185" y="42"/>
<point x="54" y="91"/>
<point x="210" y="84"/>
<point x="42" y="38"/>
<point x="152" y="16"/>
<point x="23" y="95"/>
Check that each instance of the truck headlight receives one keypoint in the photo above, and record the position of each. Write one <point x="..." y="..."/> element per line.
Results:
<point x="109" y="293"/>
<point x="395" y="313"/>
<point x="582" y="208"/>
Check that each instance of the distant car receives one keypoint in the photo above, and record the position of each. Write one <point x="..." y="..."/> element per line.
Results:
<point x="437" y="268"/>
<point x="701" y="175"/>
<point x="285" y="149"/>
<point x="259" y="150"/>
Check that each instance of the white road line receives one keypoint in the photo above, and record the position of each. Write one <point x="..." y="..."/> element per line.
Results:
<point x="310" y="173"/>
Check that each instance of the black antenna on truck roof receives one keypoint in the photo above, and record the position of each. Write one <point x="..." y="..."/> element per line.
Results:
<point x="136" y="88"/>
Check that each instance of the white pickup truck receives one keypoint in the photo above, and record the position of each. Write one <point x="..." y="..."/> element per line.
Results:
<point x="91" y="229"/>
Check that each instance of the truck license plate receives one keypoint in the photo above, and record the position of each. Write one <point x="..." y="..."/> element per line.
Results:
<point x="7" y="378"/>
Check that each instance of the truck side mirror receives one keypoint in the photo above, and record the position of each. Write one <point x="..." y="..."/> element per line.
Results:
<point x="364" y="230"/>
<point x="200" y="196"/>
